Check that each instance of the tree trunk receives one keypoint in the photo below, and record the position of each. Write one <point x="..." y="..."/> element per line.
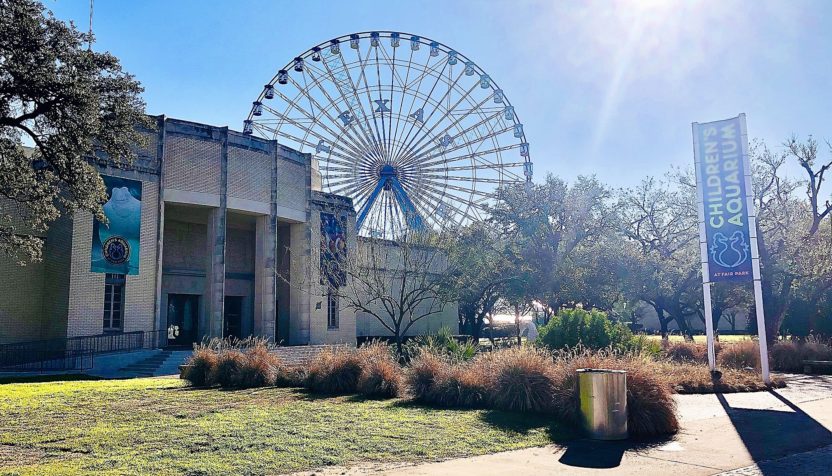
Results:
<point x="517" y="324"/>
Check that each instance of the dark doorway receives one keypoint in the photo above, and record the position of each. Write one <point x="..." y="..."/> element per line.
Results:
<point x="233" y="318"/>
<point x="183" y="319"/>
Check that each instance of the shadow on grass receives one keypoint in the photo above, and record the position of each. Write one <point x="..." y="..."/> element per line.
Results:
<point x="46" y="378"/>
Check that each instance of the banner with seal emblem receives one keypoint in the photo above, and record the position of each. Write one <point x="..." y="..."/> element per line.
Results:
<point x="115" y="246"/>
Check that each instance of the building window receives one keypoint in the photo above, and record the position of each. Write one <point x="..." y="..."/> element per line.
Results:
<point x="332" y="310"/>
<point x="114" y="302"/>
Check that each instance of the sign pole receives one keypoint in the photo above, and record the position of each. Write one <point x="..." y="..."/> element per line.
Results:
<point x="755" y="256"/>
<point x="703" y="245"/>
<point x="709" y="325"/>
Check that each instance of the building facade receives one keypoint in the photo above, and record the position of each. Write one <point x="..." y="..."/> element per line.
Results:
<point x="228" y="234"/>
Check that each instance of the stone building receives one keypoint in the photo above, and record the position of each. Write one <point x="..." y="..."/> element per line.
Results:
<point x="228" y="245"/>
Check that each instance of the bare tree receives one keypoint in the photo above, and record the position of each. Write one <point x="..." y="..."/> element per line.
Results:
<point x="792" y="249"/>
<point x="398" y="283"/>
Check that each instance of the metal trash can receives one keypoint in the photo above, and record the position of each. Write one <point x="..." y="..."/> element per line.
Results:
<point x="603" y="400"/>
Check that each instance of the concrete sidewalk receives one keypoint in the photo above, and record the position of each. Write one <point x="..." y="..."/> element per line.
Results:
<point x="751" y="433"/>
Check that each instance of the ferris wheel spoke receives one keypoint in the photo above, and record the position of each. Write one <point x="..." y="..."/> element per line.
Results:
<point x="366" y="89"/>
<point x="438" y="202"/>
<point x="428" y="160"/>
<point x="346" y="95"/>
<point x="354" y="92"/>
<point x="413" y="140"/>
<point x="348" y="138"/>
<point x="332" y="140"/>
<point x="432" y="89"/>
<point x="463" y="133"/>
<point x="409" y="141"/>
<point x="347" y="158"/>
<point x="347" y="130"/>
<point x="430" y="133"/>
<point x="486" y="165"/>
<point x="462" y="179"/>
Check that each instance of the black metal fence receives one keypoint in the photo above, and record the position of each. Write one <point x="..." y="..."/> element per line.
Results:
<point x="74" y="353"/>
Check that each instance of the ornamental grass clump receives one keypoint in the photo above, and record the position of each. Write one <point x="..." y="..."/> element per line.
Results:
<point x="200" y="365"/>
<point x="334" y="372"/>
<point x="787" y="356"/>
<point x="422" y="374"/>
<point x="684" y="352"/>
<point x="259" y="368"/>
<point x="740" y="355"/>
<point x="381" y="375"/>
<point x="461" y="385"/>
<point x="226" y="371"/>
<point x="650" y="405"/>
<point x="520" y="379"/>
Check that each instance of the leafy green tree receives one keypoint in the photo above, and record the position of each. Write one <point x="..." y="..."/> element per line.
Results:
<point x="67" y="102"/>
<point x="660" y="220"/>
<point x="549" y="226"/>
<point x="480" y="271"/>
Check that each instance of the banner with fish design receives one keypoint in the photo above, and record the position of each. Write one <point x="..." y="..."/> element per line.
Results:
<point x="115" y="245"/>
<point x="723" y="210"/>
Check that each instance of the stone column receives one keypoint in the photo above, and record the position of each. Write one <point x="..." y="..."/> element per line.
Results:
<point x="215" y="273"/>
<point x="264" y="276"/>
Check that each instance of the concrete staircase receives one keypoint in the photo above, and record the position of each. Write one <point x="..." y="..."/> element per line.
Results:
<point x="163" y="362"/>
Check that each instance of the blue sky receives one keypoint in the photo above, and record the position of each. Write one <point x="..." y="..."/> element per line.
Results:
<point x="602" y="87"/>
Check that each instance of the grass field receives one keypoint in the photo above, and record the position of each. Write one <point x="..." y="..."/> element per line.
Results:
<point x="160" y="426"/>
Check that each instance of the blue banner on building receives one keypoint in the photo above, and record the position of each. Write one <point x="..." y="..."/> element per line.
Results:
<point x="721" y="180"/>
<point x="115" y="245"/>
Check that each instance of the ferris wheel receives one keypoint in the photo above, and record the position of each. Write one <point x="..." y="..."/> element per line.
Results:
<point x="413" y="131"/>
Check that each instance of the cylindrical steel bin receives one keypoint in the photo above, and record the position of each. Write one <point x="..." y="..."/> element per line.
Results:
<point x="603" y="397"/>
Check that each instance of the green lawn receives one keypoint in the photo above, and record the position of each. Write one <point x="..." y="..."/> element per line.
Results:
<point x="160" y="426"/>
<point x="701" y="339"/>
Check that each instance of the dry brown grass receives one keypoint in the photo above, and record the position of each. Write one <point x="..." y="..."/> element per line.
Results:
<point x="226" y="371"/>
<point x="740" y="355"/>
<point x="199" y="366"/>
<point x="520" y="379"/>
<point x="650" y="404"/>
<point x="259" y="368"/>
<point x="420" y="377"/>
<point x="381" y="375"/>
<point x="334" y="371"/>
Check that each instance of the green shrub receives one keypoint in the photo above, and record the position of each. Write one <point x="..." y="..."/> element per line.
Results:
<point x="590" y="329"/>
<point x="442" y="343"/>
<point x="334" y="371"/>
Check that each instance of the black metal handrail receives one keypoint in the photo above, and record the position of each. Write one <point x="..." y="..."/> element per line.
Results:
<point x="76" y="352"/>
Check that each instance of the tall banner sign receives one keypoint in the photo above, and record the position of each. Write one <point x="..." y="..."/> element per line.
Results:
<point x="727" y="220"/>
<point x="333" y="250"/>
<point x="115" y="245"/>
<point x="722" y="186"/>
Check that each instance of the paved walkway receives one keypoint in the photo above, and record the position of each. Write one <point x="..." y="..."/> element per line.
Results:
<point x="783" y="432"/>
